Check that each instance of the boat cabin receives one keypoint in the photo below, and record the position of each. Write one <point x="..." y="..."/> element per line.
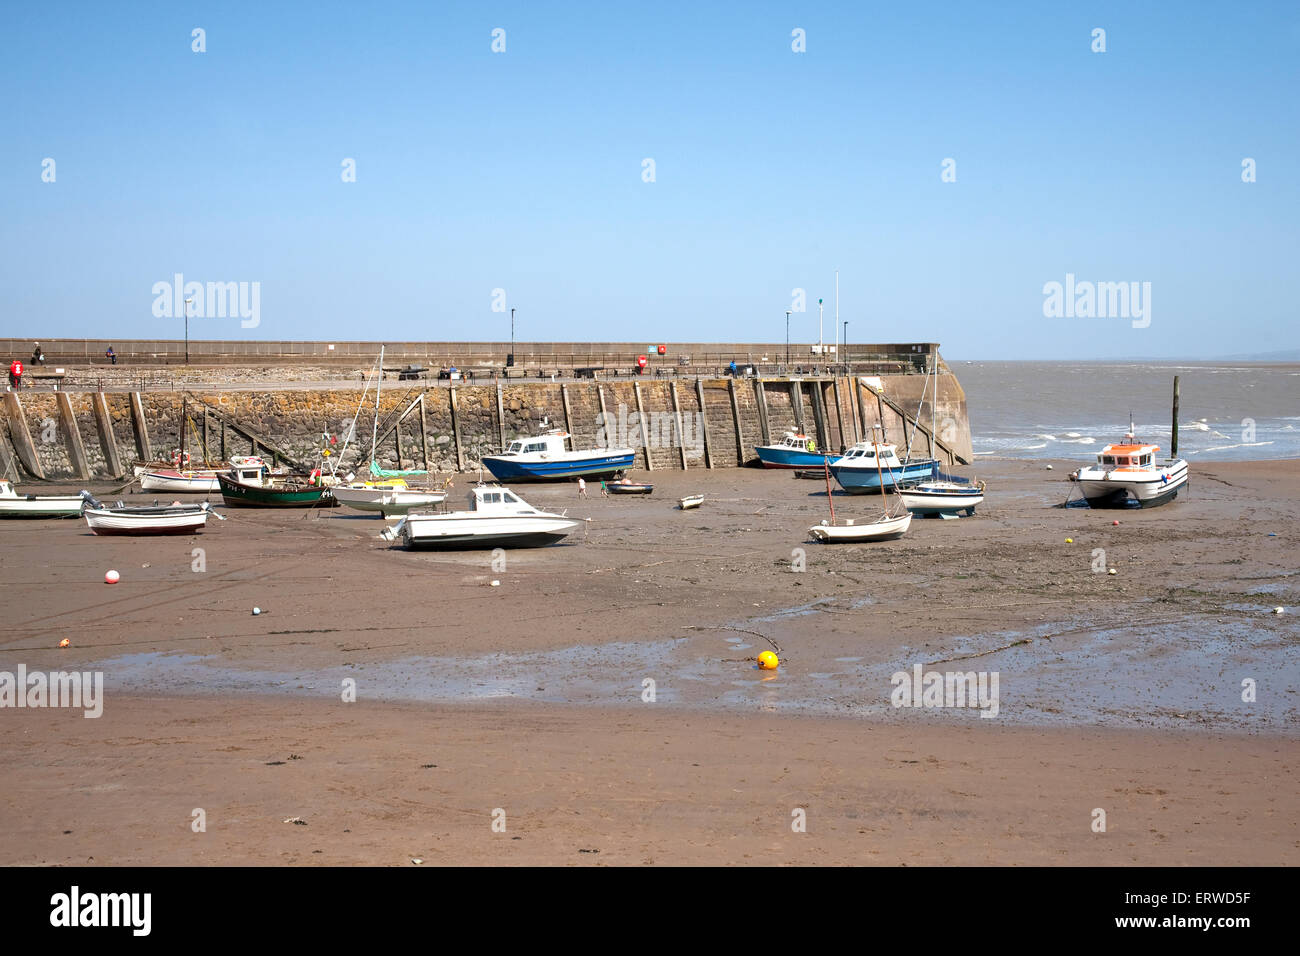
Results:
<point x="1128" y="456"/>
<point x="865" y="453"/>
<point x="797" y="441"/>
<point x="550" y="443"/>
<point x="499" y="499"/>
<point x="250" y="470"/>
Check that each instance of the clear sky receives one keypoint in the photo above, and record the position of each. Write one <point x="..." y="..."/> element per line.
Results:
<point x="523" y="170"/>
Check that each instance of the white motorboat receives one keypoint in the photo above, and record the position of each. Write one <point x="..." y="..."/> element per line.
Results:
<point x="394" y="498"/>
<point x="880" y="529"/>
<point x="942" y="497"/>
<point x="146" y="520"/>
<point x="1131" y="471"/>
<point x="15" y="505"/>
<point x="690" y="501"/>
<point x="497" y="518"/>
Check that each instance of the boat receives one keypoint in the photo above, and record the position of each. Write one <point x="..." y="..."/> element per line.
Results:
<point x="144" y="520"/>
<point x="1131" y="471"/>
<point x="944" y="496"/>
<point x="393" y="497"/>
<point x="15" y="505"/>
<point x="626" y="486"/>
<point x="545" y="458"/>
<point x="250" y="484"/>
<point x="871" y="465"/>
<point x="689" y="502"/>
<point x="200" y="481"/>
<point x="498" y="518"/>
<point x="794" y="450"/>
<point x="883" y="528"/>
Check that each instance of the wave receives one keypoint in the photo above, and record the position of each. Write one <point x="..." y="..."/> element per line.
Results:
<point x="1245" y="444"/>
<point x="1046" y="437"/>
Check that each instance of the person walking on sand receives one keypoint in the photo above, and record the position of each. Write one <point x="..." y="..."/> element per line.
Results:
<point x="582" y="487"/>
<point x="604" y="492"/>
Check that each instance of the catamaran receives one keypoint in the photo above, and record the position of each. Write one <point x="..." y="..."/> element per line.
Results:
<point x="1131" y="471"/>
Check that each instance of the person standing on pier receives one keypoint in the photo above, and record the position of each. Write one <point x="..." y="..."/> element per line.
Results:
<point x="110" y="355"/>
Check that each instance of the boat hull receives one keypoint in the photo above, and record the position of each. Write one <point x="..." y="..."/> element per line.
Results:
<point x="1118" y="491"/>
<point x="515" y="468"/>
<point x="922" y="502"/>
<point x="615" y="488"/>
<point x="387" y="501"/>
<point x="51" y="506"/>
<point x="864" y="480"/>
<point x="180" y="481"/>
<point x="108" y="521"/>
<point x="885" y="530"/>
<point x="775" y="456"/>
<point x="690" y="501"/>
<point x="238" y="495"/>
<point x="475" y="533"/>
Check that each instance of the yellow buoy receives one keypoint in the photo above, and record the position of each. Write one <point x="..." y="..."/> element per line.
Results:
<point x="1069" y="541"/>
<point x="768" y="661"/>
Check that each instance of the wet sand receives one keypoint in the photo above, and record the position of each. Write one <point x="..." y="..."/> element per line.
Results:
<point x="1121" y="692"/>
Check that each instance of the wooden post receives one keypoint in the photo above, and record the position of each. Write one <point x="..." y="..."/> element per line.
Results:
<point x="704" y="423"/>
<point x="223" y="440"/>
<point x="501" y="417"/>
<point x="645" y="437"/>
<point x="424" y="431"/>
<point x="677" y="417"/>
<point x="839" y="412"/>
<point x="104" y="425"/>
<point x="205" y="434"/>
<point x="72" y="436"/>
<point x="397" y="442"/>
<point x="604" y="418"/>
<point x="796" y="404"/>
<point x="735" y="419"/>
<point x="819" y="416"/>
<point x="455" y="428"/>
<point x="22" y="437"/>
<point x="180" y="442"/>
<point x="140" y="428"/>
<point x="761" y="394"/>
<point x="564" y="399"/>
<point x="1173" y="440"/>
<point x="862" y="407"/>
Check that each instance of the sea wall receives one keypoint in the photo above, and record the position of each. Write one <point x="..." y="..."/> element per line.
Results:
<point x="670" y="423"/>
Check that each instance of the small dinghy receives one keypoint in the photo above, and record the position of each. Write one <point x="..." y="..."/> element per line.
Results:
<point x="881" y="529"/>
<point x="943" y="497"/>
<point x="14" y="505"/>
<point x="689" y="502"/>
<point x="626" y="486"/>
<point x="147" y="520"/>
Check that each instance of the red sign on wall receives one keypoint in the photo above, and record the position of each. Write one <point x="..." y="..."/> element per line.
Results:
<point x="641" y="361"/>
<point x="663" y="349"/>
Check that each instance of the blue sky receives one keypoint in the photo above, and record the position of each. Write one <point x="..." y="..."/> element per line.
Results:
<point x="522" y="171"/>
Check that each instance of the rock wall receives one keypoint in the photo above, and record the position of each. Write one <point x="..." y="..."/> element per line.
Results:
<point x="684" y="421"/>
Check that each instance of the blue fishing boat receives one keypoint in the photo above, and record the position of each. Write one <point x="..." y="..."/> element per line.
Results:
<point x="544" y="458"/>
<point x="869" y="465"/>
<point x="795" y="450"/>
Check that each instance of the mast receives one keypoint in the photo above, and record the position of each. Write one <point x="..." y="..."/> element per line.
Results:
<point x="826" y="463"/>
<point x="379" y="385"/>
<point x="879" y="472"/>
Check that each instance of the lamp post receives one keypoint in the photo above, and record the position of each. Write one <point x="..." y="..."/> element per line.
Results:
<point x="787" y="337"/>
<point x="820" y="347"/>
<point x="187" y="330"/>
<point x="846" y="344"/>
<point x="511" y="362"/>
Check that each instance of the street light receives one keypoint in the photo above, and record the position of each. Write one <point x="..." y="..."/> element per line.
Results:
<point x="846" y="344"/>
<point x="510" y="361"/>
<point x="187" y="330"/>
<point x="787" y="336"/>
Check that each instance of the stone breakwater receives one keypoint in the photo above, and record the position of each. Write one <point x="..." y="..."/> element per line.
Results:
<point x="672" y="424"/>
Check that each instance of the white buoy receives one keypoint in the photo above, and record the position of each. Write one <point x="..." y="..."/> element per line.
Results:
<point x="112" y="577"/>
<point x="1112" y="571"/>
<point x="1278" y="610"/>
<point x="256" y="611"/>
<point x="1049" y="467"/>
<point x="496" y="584"/>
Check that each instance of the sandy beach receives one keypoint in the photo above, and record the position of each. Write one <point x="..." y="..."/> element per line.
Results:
<point x="1121" y="692"/>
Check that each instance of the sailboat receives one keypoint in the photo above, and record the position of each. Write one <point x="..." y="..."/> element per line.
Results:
<point x="884" y="528"/>
<point x="385" y="491"/>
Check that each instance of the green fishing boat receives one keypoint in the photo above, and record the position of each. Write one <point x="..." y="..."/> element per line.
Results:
<point x="250" y="484"/>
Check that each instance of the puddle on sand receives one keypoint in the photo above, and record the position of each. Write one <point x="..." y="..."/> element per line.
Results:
<point x="1069" y="673"/>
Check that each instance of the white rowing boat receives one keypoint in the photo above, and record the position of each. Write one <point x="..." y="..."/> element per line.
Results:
<point x="144" y="520"/>
<point x="15" y="505"/>
<point x="690" y="501"/>
<point x="882" y="529"/>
